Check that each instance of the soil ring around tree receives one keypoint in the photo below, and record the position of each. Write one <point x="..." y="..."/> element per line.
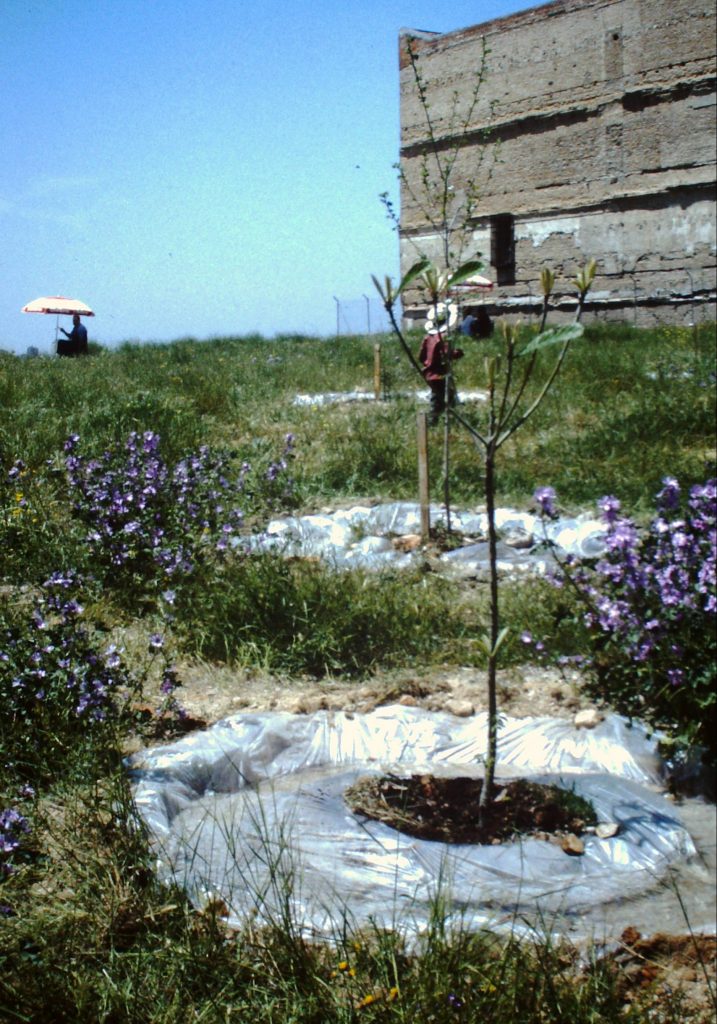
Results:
<point x="448" y="809"/>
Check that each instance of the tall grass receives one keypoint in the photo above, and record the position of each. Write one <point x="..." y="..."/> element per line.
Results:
<point x="300" y="617"/>
<point x="86" y="932"/>
<point x="629" y="407"/>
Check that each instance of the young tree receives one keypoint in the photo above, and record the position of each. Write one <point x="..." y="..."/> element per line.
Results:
<point x="446" y="200"/>
<point x="508" y="377"/>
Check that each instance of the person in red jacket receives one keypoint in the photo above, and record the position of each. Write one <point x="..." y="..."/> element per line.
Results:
<point x="434" y="358"/>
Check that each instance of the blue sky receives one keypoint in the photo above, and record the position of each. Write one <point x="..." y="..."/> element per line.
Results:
<point x="203" y="168"/>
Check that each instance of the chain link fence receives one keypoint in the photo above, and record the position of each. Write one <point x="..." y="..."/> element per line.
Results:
<point x="365" y="315"/>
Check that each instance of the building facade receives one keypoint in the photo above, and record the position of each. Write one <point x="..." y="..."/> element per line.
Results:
<point x="591" y="135"/>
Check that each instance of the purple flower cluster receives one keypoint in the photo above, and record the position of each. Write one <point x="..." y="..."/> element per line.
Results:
<point x="13" y="827"/>
<point x="544" y="499"/>
<point x="145" y="516"/>
<point x="169" y="705"/>
<point x="651" y="612"/>
<point x="279" y="467"/>
<point x="648" y="584"/>
<point x="51" y="670"/>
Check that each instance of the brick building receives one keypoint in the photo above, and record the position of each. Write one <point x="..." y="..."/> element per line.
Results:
<point x="601" y="143"/>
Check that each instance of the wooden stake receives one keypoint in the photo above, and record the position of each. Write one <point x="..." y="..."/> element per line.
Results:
<point x="422" y="431"/>
<point x="377" y="372"/>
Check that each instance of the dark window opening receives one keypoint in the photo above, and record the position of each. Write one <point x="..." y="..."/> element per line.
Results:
<point x="502" y="247"/>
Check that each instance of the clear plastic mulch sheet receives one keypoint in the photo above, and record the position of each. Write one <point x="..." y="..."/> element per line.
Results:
<point x="251" y="813"/>
<point x="345" y="397"/>
<point x="362" y="537"/>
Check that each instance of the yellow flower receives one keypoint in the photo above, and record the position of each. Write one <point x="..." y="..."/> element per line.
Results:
<point x="387" y="995"/>
<point x="367" y="1001"/>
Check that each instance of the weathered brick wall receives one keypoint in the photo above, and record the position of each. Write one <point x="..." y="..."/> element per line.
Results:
<point x="602" y="143"/>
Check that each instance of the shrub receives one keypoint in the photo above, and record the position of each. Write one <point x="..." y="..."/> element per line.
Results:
<point x="149" y="522"/>
<point x="60" y="688"/>
<point x="650" y="608"/>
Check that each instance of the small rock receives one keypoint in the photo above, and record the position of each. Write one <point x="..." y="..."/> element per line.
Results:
<point x="312" y="703"/>
<point x="459" y="708"/>
<point x="408" y="700"/>
<point x="572" y="845"/>
<point x="409" y="542"/>
<point x="519" y="539"/>
<point x="606" y="829"/>
<point x="588" y="718"/>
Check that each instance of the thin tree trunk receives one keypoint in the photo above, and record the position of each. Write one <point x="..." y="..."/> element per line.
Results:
<point x="446" y="457"/>
<point x="492" y="750"/>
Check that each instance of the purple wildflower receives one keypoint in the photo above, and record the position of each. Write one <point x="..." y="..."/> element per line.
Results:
<point x="669" y="497"/>
<point x="544" y="498"/>
<point x="610" y="507"/>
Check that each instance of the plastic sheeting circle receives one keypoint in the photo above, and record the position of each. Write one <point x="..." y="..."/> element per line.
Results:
<point x="257" y="800"/>
<point x="360" y="537"/>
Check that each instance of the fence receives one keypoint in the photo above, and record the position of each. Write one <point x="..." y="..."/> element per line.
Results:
<point x="361" y="316"/>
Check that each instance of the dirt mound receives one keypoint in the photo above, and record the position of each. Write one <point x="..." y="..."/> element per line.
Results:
<point x="447" y="809"/>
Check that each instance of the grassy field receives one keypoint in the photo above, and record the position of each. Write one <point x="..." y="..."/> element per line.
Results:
<point x="135" y="540"/>
<point x="628" y="408"/>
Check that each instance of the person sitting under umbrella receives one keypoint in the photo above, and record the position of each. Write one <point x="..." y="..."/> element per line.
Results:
<point x="76" y="344"/>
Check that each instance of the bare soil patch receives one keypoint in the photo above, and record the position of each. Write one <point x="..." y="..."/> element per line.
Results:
<point x="448" y="809"/>
<point x="662" y="969"/>
<point x="210" y="692"/>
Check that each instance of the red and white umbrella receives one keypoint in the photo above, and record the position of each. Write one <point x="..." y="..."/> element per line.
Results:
<point x="58" y="305"/>
<point x="473" y="284"/>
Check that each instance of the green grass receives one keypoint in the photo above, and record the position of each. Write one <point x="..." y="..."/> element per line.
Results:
<point x="629" y="407"/>
<point x="90" y="935"/>
<point x="95" y="939"/>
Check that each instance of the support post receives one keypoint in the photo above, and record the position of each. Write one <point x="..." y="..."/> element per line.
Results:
<point x="377" y="372"/>
<point x="423" y="497"/>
